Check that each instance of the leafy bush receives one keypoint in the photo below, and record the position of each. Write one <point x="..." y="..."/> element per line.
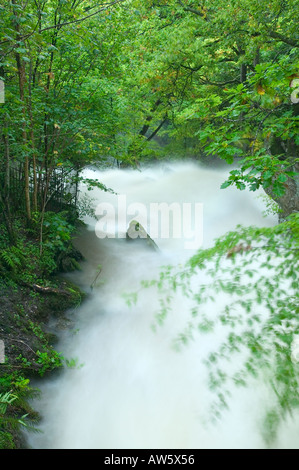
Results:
<point x="255" y="271"/>
<point x="15" y="412"/>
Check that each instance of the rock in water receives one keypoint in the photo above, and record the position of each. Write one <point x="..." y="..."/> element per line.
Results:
<point x="137" y="232"/>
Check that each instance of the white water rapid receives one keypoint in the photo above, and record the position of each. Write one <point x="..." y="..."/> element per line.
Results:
<point x="134" y="390"/>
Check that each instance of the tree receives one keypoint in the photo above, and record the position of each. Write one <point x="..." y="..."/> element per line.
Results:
<point x="55" y="58"/>
<point x="221" y="75"/>
<point x="226" y="74"/>
<point x="245" y="286"/>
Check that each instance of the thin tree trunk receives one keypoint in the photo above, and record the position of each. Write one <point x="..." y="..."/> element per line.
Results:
<point x="22" y="78"/>
<point x="257" y="57"/>
<point x="243" y="73"/>
<point x="5" y="195"/>
<point x="34" y="196"/>
<point x="22" y="81"/>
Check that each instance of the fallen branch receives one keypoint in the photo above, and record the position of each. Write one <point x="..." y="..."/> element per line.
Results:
<point x="93" y="283"/>
<point x="50" y="290"/>
<point x="46" y="290"/>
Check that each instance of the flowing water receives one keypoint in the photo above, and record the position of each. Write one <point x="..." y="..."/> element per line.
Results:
<point x="134" y="390"/>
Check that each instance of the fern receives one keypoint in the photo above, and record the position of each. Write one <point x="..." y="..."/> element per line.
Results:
<point x="12" y="258"/>
<point x="6" y="399"/>
<point x="10" y="420"/>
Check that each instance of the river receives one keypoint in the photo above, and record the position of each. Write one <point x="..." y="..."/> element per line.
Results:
<point x="132" y="389"/>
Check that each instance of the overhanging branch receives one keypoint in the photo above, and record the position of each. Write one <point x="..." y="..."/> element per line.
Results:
<point x="275" y="35"/>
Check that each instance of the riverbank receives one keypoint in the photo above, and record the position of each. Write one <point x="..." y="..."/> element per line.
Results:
<point x="27" y="343"/>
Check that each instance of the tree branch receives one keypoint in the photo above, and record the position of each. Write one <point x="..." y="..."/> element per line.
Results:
<point x="157" y="129"/>
<point x="193" y="10"/>
<point x="26" y="36"/>
<point x="208" y="82"/>
<point x="84" y="18"/>
<point x="279" y="36"/>
<point x="192" y="69"/>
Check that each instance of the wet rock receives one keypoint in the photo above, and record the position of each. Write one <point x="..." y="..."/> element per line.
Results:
<point x="136" y="232"/>
<point x="68" y="260"/>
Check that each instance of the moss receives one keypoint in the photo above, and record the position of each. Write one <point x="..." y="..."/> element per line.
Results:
<point x="6" y="440"/>
<point x="29" y="346"/>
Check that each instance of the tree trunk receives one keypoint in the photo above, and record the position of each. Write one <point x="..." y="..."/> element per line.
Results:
<point x="289" y="202"/>
<point x="5" y="190"/>
<point x="34" y="195"/>
<point x="22" y="82"/>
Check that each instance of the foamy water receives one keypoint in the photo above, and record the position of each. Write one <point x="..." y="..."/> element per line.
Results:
<point x="134" y="390"/>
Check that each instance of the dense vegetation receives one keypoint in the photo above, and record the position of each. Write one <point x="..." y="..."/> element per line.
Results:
<point x="126" y="82"/>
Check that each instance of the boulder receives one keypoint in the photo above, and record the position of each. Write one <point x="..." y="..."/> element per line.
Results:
<point x="136" y="232"/>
